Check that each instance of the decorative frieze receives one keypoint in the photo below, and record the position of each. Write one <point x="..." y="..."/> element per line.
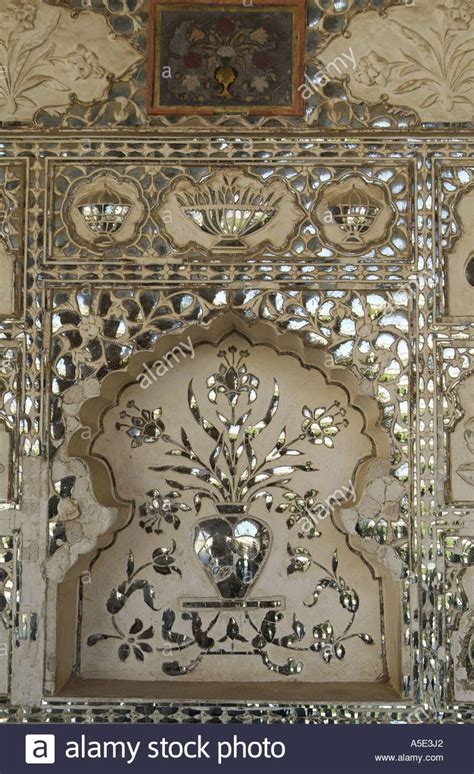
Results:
<point x="216" y="212"/>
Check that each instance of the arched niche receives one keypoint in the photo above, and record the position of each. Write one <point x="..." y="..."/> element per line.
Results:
<point x="460" y="442"/>
<point x="229" y="455"/>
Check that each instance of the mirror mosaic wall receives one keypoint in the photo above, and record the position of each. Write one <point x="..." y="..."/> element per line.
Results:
<point x="236" y="361"/>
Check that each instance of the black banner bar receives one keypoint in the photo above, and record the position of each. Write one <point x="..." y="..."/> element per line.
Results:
<point x="201" y="749"/>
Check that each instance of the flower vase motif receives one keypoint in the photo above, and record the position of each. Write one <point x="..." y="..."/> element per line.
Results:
<point x="104" y="209"/>
<point x="229" y="211"/>
<point x="355" y="215"/>
<point x="232" y="547"/>
<point x="225" y="76"/>
<point x="105" y="213"/>
<point x="238" y="59"/>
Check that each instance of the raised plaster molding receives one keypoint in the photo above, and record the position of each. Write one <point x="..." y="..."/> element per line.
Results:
<point x="428" y="66"/>
<point x="252" y="213"/>
<point x="51" y="56"/>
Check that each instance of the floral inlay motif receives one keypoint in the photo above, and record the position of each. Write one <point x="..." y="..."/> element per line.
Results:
<point x="143" y="426"/>
<point x="322" y="424"/>
<point x="161" y="508"/>
<point x="232" y="543"/>
<point x="225" y="59"/>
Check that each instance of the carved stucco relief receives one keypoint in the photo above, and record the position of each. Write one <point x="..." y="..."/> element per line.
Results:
<point x="428" y="66"/>
<point x="229" y="211"/>
<point x="355" y="214"/>
<point x="50" y="57"/>
<point x="428" y="79"/>
<point x="334" y="212"/>
<point x="12" y="210"/>
<point x="104" y="210"/>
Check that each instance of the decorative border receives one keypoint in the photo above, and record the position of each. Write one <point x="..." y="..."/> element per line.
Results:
<point x="453" y="369"/>
<point x="17" y="173"/>
<point x="405" y="221"/>
<point x="10" y="411"/>
<point x="10" y="565"/>
<point x="456" y="557"/>
<point x="452" y="180"/>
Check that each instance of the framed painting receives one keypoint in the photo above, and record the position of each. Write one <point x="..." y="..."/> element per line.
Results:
<point x="229" y="58"/>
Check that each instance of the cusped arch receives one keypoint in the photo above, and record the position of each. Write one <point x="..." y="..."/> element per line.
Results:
<point x="242" y="539"/>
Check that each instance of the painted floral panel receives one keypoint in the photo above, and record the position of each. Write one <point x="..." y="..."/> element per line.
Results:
<point x="226" y="58"/>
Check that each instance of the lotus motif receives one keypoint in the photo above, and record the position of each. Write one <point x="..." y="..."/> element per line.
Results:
<point x="229" y="211"/>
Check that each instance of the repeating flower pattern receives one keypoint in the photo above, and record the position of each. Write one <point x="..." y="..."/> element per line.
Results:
<point x="145" y="426"/>
<point x="161" y="508"/>
<point x="321" y="425"/>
